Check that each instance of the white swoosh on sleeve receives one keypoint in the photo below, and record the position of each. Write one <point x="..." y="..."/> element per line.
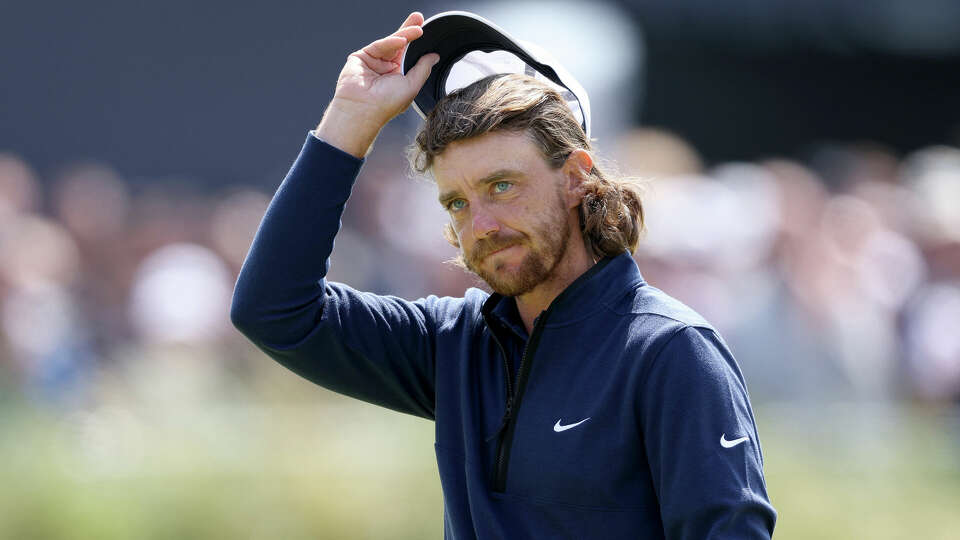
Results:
<point x="558" y="428"/>
<point x="730" y="444"/>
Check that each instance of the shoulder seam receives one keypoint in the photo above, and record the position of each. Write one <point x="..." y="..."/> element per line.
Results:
<point x="697" y="324"/>
<point x="656" y="357"/>
<point x="702" y="323"/>
<point x="609" y="304"/>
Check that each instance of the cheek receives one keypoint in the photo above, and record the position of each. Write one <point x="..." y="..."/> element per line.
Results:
<point x="526" y="212"/>
<point x="458" y="226"/>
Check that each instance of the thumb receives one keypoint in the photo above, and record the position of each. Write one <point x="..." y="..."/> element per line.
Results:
<point x="418" y="75"/>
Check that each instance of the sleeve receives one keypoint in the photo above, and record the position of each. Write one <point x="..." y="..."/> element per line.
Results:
<point x="378" y="349"/>
<point x="702" y="443"/>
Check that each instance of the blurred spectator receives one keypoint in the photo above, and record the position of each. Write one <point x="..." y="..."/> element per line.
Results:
<point x="93" y="203"/>
<point x="836" y="280"/>
<point x="180" y="295"/>
<point x="650" y="152"/>
<point x="44" y="330"/>
<point x="234" y="223"/>
<point x="934" y="176"/>
<point x="932" y="343"/>
<point x="19" y="191"/>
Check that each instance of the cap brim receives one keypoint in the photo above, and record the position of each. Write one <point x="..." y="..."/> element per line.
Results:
<point x="452" y="35"/>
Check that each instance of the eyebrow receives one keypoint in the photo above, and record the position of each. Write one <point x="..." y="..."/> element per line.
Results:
<point x="499" y="174"/>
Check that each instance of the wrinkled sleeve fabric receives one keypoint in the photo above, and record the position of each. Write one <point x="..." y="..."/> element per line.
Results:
<point x="694" y="408"/>
<point x="379" y="349"/>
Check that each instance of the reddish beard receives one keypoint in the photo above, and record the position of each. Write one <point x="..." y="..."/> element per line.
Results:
<point x="545" y="249"/>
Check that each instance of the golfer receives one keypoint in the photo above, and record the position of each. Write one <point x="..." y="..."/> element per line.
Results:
<point x="576" y="400"/>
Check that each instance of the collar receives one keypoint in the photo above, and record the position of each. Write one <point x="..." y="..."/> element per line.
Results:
<point x="506" y="313"/>
<point x="603" y="283"/>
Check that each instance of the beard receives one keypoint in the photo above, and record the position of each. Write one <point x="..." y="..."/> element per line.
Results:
<point x="546" y="247"/>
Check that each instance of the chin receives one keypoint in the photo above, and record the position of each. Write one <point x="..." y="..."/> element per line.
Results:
<point x="515" y="280"/>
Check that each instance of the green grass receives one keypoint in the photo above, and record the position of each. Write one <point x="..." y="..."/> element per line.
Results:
<point x="863" y="472"/>
<point x="336" y="469"/>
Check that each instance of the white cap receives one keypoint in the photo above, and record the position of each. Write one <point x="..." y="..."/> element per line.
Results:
<point x="471" y="48"/>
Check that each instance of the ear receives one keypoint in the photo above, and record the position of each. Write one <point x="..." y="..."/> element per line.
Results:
<point x="575" y="170"/>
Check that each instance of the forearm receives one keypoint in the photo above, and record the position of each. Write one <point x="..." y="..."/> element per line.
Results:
<point x="349" y="128"/>
<point x="376" y="348"/>
<point x="277" y="292"/>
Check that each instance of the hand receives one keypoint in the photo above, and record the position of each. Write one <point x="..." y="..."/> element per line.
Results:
<point x="372" y="89"/>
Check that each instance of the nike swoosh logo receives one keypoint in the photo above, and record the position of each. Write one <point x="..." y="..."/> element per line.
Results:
<point x="558" y="428"/>
<point x="730" y="444"/>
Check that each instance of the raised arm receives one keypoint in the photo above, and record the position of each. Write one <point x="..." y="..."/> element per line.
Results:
<point x="375" y="348"/>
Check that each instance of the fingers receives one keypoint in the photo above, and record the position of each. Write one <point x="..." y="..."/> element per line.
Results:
<point x="409" y="33"/>
<point x="383" y="54"/>
<point x="419" y="73"/>
<point x="414" y="19"/>
<point x="381" y="67"/>
<point x="386" y="48"/>
<point x="389" y="48"/>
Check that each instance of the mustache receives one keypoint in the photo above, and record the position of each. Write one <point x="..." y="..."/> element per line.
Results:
<point x="492" y="244"/>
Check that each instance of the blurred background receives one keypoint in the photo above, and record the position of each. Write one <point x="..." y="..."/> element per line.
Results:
<point x="803" y="175"/>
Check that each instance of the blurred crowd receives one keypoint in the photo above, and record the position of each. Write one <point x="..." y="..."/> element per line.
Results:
<point x="835" y="278"/>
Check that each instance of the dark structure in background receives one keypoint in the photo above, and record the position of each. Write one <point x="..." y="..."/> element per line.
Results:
<point x="223" y="91"/>
<point x="751" y="78"/>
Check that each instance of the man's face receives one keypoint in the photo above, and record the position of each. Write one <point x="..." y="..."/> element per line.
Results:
<point x="507" y="208"/>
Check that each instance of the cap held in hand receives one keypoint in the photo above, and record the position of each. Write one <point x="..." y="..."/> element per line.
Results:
<point x="471" y="48"/>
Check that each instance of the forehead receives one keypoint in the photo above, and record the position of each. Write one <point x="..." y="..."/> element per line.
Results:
<point x="477" y="157"/>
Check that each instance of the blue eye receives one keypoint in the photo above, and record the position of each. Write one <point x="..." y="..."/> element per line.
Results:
<point x="457" y="204"/>
<point x="500" y="187"/>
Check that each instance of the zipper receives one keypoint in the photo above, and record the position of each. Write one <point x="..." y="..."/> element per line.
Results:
<point x="509" y="389"/>
<point x="508" y="426"/>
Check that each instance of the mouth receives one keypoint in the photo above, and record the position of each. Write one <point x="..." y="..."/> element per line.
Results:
<point x="501" y="250"/>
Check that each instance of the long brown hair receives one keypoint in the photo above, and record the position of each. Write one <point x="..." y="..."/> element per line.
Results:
<point x="611" y="212"/>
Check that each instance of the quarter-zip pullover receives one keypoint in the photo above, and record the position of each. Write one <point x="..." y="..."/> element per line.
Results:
<point x="612" y="419"/>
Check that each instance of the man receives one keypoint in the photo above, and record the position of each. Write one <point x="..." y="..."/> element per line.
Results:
<point x="576" y="401"/>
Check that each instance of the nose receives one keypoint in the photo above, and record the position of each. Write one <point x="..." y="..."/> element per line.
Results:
<point x="484" y="223"/>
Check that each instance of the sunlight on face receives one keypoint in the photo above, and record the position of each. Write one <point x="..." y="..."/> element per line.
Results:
<point x="506" y="208"/>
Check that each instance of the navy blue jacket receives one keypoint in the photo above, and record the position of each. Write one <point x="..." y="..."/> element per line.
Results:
<point x="622" y="415"/>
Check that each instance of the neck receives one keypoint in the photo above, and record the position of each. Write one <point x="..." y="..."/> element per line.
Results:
<point x="575" y="262"/>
